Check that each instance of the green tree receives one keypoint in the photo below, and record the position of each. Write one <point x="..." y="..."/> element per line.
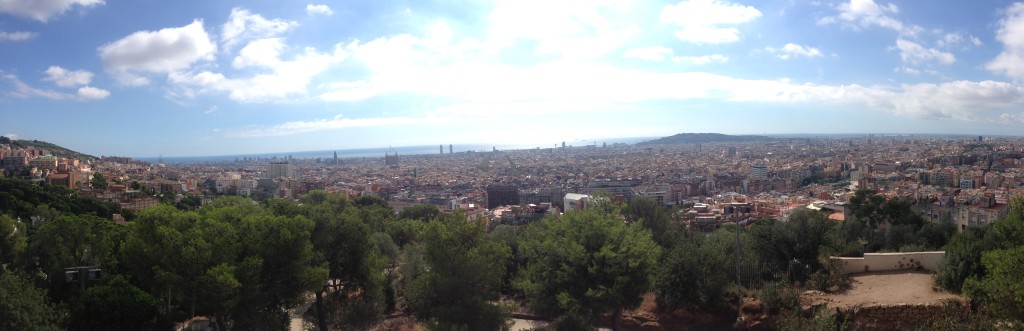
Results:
<point x="963" y="257"/>
<point x="587" y="263"/>
<point x="116" y="305"/>
<point x="277" y="267"/>
<point x="652" y="216"/>
<point x="462" y="277"/>
<point x="74" y="241"/>
<point x="1001" y="290"/>
<point x="24" y="306"/>
<point x="12" y="242"/>
<point x="1011" y="227"/>
<point x="694" y="273"/>
<point x="98" y="181"/>
<point x="421" y="212"/>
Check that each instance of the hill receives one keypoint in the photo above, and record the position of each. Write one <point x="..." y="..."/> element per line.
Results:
<point x="692" y="138"/>
<point x="54" y="149"/>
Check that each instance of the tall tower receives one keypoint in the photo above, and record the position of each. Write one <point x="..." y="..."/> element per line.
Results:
<point x="335" y="157"/>
<point x="449" y="148"/>
<point x="440" y="148"/>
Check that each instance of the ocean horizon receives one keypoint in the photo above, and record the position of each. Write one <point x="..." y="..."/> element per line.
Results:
<point x="380" y="151"/>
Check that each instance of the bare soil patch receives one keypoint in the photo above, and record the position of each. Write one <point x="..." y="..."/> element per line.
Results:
<point x="884" y="288"/>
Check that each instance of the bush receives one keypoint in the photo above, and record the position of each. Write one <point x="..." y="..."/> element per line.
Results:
<point x="823" y="320"/>
<point x="777" y="296"/>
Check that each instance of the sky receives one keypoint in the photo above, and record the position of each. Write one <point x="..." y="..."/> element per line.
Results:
<point x="214" y="77"/>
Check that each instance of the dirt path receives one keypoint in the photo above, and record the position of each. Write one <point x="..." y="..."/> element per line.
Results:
<point x="895" y="287"/>
<point x="295" y="314"/>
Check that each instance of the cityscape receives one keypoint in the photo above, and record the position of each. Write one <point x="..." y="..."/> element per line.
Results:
<point x="511" y="165"/>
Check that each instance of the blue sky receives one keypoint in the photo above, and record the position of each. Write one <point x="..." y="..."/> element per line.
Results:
<point x="214" y="77"/>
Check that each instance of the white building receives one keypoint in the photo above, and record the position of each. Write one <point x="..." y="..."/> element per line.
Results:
<point x="576" y="201"/>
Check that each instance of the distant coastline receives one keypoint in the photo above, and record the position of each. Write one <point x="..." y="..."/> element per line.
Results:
<point x="380" y="151"/>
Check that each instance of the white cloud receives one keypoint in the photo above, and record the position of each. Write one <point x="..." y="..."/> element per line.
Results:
<point x="652" y="53"/>
<point x="16" y="36"/>
<point x="11" y="136"/>
<point x="64" y="78"/>
<point x="579" y="29"/>
<point x="708" y="21"/>
<point x="858" y="14"/>
<point x="261" y="52"/>
<point x="703" y="59"/>
<point x="243" y="26"/>
<point x="912" y="52"/>
<point x="338" y="122"/>
<point x="92" y="93"/>
<point x="792" y="50"/>
<point x="43" y="10"/>
<point x="958" y="39"/>
<point x="162" y="51"/>
<point x="211" y="110"/>
<point x="21" y="90"/>
<point x="278" y="78"/>
<point x="1010" y="61"/>
<point x="312" y="9"/>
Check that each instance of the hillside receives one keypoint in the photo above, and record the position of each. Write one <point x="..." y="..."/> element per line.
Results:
<point x="50" y="147"/>
<point x="691" y="138"/>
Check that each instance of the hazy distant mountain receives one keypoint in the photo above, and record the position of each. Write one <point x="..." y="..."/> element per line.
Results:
<point x="49" y="147"/>
<point x="690" y="138"/>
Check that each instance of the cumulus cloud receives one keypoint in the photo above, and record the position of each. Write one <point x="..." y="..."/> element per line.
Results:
<point x="162" y="51"/>
<point x="338" y="122"/>
<point x="912" y="52"/>
<point x="92" y="93"/>
<point x="792" y="50"/>
<point x="859" y="14"/>
<point x="1010" y="61"/>
<point x="64" y="78"/>
<point x="708" y="21"/>
<point x="43" y="10"/>
<point x="16" y="36"/>
<point x="653" y="53"/>
<point x="243" y="25"/>
<point x="703" y="59"/>
<point x="319" y="9"/>
<point x="278" y="79"/>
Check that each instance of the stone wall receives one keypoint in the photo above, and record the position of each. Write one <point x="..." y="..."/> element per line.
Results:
<point x="896" y="316"/>
<point x="891" y="261"/>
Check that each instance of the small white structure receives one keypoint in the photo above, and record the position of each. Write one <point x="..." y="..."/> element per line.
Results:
<point x="576" y="201"/>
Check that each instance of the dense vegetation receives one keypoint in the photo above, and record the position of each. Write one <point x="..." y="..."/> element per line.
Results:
<point x="246" y="262"/>
<point x="54" y="149"/>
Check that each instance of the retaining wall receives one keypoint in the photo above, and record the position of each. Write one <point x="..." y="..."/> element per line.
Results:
<point x="891" y="261"/>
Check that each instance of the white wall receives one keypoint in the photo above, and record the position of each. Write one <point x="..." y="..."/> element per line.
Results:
<point x="891" y="261"/>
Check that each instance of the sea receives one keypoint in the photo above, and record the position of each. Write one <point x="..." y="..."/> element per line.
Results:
<point x="380" y="151"/>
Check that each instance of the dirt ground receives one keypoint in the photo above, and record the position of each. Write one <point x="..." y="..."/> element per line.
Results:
<point x="892" y="287"/>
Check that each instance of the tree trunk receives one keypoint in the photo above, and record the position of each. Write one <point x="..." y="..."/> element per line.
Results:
<point x="617" y="320"/>
<point x="321" y="316"/>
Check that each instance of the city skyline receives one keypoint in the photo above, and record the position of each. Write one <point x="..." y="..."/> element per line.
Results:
<point x="214" y="78"/>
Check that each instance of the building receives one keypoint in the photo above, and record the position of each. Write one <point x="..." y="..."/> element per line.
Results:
<point x="759" y="171"/>
<point x="576" y="201"/>
<point x="391" y="160"/>
<point x="282" y="169"/>
<point x="65" y="179"/>
<point x="986" y="211"/>
<point x="48" y="162"/>
<point x="501" y="195"/>
<point x="616" y="187"/>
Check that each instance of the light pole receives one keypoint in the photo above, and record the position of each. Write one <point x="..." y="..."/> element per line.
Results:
<point x="733" y="211"/>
